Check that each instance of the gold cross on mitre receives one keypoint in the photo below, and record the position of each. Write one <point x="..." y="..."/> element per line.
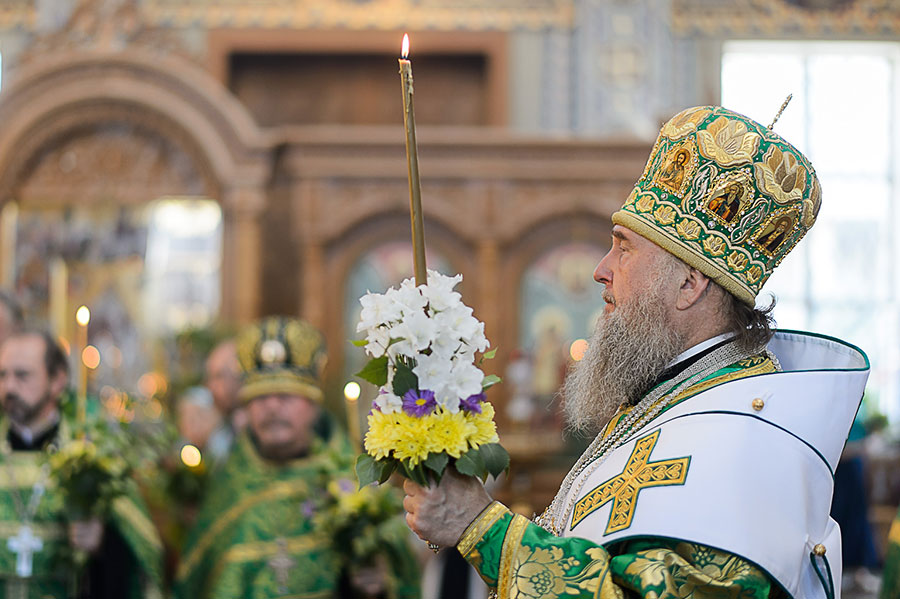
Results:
<point x="623" y="489"/>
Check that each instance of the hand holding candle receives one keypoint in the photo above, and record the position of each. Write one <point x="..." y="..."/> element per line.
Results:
<point x="412" y="159"/>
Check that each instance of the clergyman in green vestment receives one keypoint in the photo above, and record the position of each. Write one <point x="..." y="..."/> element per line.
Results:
<point x="36" y="540"/>
<point x="711" y="472"/>
<point x="255" y="537"/>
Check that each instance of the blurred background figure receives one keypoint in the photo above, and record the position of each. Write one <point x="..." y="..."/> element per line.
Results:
<point x="222" y="376"/>
<point x="283" y="488"/>
<point x="197" y="418"/>
<point x="11" y="317"/>
<point x="62" y="535"/>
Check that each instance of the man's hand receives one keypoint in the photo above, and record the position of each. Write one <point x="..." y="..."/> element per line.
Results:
<point x="440" y="514"/>
<point x="86" y="535"/>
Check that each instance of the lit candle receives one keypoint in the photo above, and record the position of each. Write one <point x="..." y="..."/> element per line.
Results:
<point x="9" y="218"/>
<point x="59" y="289"/>
<point x="351" y="394"/>
<point x="82" y="318"/>
<point x="412" y="159"/>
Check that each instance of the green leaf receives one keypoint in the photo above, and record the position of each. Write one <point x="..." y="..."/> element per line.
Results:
<point x="471" y="464"/>
<point x="394" y="340"/>
<point x="490" y="380"/>
<point x="360" y="342"/>
<point x="437" y="462"/>
<point x="489" y="355"/>
<point x="366" y="469"/>
<point x="415" y="474"/>
<point x="375" y="371"/>
<point x="387" y="469"/>
<point x="496" y="459"/>
<point x="404" y="379"/>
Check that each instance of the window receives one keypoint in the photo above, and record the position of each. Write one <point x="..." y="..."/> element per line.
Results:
<point x="844" y="278"/>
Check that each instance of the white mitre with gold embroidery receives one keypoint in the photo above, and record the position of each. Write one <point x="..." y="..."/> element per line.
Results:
<point x="746" y="467"/>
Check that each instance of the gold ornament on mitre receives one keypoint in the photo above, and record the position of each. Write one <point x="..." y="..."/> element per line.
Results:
<point x="281" y="355"/>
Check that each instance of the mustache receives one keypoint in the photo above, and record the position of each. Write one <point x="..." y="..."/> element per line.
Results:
<point x="12" y="398"/>
<point x="274" y="423"/>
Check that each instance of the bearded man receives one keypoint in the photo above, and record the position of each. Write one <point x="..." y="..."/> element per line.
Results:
<point x="124" y="550"/>
<point x="711" y="474"/>
<point x="257" y="536"/>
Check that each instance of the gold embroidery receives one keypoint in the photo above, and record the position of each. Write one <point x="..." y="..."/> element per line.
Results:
<point x="623" y="489"/>
<point x="248" y="552"/>
<point x="764" y="367"/>
<point x="678" y="168"/>
<point x="280" y="490"/>
<point x="126" y="508"/>
<point x="46" y="532"/>
<point x="511" y="546"/>
<point x="483" y="523"/>
<point x="728" y="142"/>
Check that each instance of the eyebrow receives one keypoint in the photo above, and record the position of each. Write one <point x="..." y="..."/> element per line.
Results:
<point x="619" y="235"/>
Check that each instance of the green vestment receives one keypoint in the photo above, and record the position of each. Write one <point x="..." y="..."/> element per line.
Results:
<point x="254" y="538"/>
<point x="523" y="561"/>
<point x="53" y="574"/>
<point x="890" y="582"/>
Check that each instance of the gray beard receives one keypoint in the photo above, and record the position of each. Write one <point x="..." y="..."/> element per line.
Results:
<point x="629" y="349"/>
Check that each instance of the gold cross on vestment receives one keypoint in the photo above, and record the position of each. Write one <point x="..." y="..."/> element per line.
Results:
<point x="623" y="489"/>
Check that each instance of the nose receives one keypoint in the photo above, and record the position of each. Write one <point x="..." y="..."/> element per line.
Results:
<point x="602" y="274"/>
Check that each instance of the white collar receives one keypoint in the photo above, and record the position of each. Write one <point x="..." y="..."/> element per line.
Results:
<point x="699" y="348"/>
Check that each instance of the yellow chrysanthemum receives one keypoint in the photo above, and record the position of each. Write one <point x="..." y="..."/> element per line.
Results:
<point x="412" y="436"/>
<point x="380" y="439"/>
<point x="485" y="431"/>
<point x="449" y="433"/>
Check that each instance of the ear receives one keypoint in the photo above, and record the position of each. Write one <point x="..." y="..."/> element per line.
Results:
<point x="58" y="383"/>
<point x="693" y="288"/>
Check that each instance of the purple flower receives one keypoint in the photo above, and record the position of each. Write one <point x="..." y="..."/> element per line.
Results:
<point x="346" y="485"/>
<point x="472" y="403"/>
<point x="308" y="508"/>
<point x="419" y="403"/>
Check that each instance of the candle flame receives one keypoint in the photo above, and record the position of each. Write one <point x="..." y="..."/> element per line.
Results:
<point x="405" y="51"/>
<point x="83" y="316"/>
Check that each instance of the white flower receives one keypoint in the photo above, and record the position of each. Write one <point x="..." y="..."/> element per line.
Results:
<point x="447" y="398"/>
<point x="433" y="372"/>
<point x="439" y="291"/>
<point x="378" y="339"/>
<point x="466" y="379"/>
<point x="377" y="309"/>
<point x="445" y="343"/>
<point x="388" y="402"/>
<point x="459" y="322"/>
<point x="420" y="330"/>
<point x="408" y="298"/>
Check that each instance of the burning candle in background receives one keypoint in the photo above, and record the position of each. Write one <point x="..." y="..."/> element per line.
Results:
<point x="9" y="218"/>
<point x="351" y="394"/>
<point x="59" y="291"/>
<point x="412" y="159"/>
<point x="82" y="319"/>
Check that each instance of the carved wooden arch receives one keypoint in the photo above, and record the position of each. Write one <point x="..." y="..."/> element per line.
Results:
<point x="344" y="252"/>
<point x="48" y="92"/>
<point x="352" y="207"/>
<point x="86" y="126"/>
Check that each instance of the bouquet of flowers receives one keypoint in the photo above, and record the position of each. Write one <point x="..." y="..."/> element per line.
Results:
<point x="431" y="408"/>
<point x="88" y="478"/>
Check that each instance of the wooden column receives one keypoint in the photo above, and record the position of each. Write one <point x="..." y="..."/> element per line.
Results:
<point x="242" y="253"/>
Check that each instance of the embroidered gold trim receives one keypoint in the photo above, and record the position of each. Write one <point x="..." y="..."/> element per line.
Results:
<point x="280" y="490"/>
<point x="479" y="526"/>
<point x="46" y="532"/>
<point x="765" y="367"/>
<point x="511" y="545"/>
<point x="894" y="534"/>
<point x="248" y="552"/>
<point x="623" y="489"/>
<point x="126" y="508"/>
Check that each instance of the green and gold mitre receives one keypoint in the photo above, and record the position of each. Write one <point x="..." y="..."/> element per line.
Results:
<point x="281" y="355"/>
<point x="726" y="195"/>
